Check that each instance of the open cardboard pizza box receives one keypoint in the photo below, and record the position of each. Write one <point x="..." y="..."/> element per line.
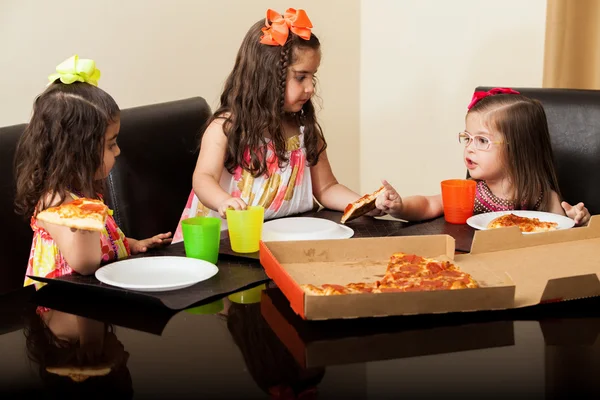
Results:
<point x="512" y="269"/>
<point x="320" y="344"/>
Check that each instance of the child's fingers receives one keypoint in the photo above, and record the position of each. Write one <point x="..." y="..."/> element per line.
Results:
<point x="387" y="186"/>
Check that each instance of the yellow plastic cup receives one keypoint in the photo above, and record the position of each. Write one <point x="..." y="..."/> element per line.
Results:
<point x="245" y="228"/>
<point x="211" y="308"/>
<point x="249" y="296"/>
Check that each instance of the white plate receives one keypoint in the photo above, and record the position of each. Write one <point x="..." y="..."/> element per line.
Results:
<point x="481" y="221"/>
<point x="301" y="228"/>
<point x="156" y="274"/>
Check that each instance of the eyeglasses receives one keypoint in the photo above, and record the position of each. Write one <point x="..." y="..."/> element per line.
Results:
<point x="481" y="142"/>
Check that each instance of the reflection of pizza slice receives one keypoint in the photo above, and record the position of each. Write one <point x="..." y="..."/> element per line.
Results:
<point x="525" y="224"/>
<point x="85" y="214"/>
<point x="80" y="374"/>
<point x="361" y="206"/>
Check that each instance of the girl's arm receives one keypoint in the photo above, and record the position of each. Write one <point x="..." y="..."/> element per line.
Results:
<point x="209" y="168"/>
<point x="579" y="213"/>
<point x="419" y="208"/>
<point x="81" y="249"/>
<point x="326" y="189"/>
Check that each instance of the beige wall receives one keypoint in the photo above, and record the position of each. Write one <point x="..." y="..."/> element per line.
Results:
<point x="158" y="50"/>
<point x="420" y="61"/>
<point x="395" y="78"/>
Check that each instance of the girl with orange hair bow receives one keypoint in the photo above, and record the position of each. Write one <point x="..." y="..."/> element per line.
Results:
<point x="263" y="146"/>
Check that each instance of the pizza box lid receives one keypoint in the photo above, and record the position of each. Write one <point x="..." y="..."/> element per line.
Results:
<point x="320" y="344"/>
<point x="291" y="264"/>
<point x="545" y="267"/>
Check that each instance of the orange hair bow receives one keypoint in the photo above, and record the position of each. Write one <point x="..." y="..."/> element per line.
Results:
<point x="277" y="31"/>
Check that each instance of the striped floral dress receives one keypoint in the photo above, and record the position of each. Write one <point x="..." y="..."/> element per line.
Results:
<point x="283" y="191"/>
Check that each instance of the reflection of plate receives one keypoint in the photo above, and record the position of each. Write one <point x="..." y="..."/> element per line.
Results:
<point x="481" y="221"/>
<point x="301" y="228"/>
<point x="156" y="274"/>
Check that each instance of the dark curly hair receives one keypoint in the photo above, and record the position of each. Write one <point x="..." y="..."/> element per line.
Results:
<point x="62" y="147"/>
<point x="252" y="103"/>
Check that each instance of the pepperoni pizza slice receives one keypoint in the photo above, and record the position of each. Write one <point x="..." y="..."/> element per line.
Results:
<point x="361" y="206"/>
<point x="83" y="213"/>
<point x="525" y="224"/>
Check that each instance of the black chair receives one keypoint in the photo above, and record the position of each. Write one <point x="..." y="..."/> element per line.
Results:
<point x="152" y="178"/>
<point x="147" y="188"/>
<point x="574" y="124"/>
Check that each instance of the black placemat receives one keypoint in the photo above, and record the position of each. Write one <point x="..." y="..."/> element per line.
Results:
<point x="234" y="274"/>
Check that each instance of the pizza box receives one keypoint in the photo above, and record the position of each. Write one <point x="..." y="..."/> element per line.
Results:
<point x="325" y="343"/>
<point x="513" y="270"/>
<point x="291" y="264"/>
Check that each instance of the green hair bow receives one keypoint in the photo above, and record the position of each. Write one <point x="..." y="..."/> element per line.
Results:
<point x="75" y="69"/>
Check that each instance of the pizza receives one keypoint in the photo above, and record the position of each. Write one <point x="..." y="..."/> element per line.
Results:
<point x="79" y="373"/>
<point x="525" y="224"/>
<point x="361" y="206"/>
<point x="404" y="273"/>
<point x="83" y="213"/>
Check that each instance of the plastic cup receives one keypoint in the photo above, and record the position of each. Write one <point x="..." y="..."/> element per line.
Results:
<point x="249" y="296"/>
<point x="458" y="196"/>
<point x="245" y="228"/>
<point x="201" y="238"/>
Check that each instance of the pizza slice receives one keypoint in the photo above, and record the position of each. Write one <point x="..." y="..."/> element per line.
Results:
<point x="525" y="224"/>
<point x="361" y="206"/>
<point x="83" y="213"/>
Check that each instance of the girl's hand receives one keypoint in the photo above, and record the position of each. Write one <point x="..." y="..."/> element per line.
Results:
<point x="233" y="203"/>
<point x="389" y="201"/>
<point x="141" y="246"/>
<point x="579" y="213"/>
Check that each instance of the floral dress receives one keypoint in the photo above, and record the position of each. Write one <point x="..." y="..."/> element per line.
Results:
<point x="282" y="191"/>
<point x="46" y="260"/>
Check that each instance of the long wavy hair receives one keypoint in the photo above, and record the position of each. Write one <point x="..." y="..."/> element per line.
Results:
<point x="528" y="156"/>
<point x="252" y="104"/>
<point x="62" y="147"/>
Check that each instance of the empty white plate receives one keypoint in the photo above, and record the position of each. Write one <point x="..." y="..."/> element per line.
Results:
<point x="301" y="228"/>
<point x="156" y="274"/>
<point x="481" y="221"/>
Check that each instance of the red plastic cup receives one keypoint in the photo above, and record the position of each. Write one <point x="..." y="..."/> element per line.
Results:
<point x="458" y="196"/>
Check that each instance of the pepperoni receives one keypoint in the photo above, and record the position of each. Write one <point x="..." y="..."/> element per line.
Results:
<point x="93" y="207"/>
<point x="434" y="268"/>
<point x="451" y="273"/>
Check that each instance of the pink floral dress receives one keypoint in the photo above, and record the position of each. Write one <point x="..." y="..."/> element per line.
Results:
<point x="46" y="260"/>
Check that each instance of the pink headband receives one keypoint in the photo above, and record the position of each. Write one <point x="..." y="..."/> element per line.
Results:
<point x="480" y="95"/>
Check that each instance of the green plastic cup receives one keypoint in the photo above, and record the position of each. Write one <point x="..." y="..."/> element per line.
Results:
<point x="245" y="228"/>
<point x="201" y="238"/>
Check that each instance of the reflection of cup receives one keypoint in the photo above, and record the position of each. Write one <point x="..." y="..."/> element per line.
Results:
<point x="245" y="228"/>
<point x="249" y="296"/>
<point x="210" y="308"/>
<point x="201" y="238"/>
<point x="458" y="196"/>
